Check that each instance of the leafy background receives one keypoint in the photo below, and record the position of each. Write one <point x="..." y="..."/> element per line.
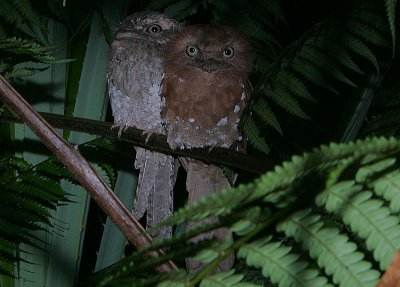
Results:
<point x="324" y="72"/>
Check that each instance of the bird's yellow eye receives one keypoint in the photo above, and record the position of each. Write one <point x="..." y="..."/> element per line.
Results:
<point x="228" y="52"/>
<point x="191" y="50"/>
<point x="154" y="29"/>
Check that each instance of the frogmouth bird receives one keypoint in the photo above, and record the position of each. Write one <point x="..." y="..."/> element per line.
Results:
<point x="135" y="72"/>
<point x="206" y="89"/>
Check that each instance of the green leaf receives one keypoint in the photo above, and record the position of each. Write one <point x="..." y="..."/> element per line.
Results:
<point x="280" y="264"/>
<point x="252" y="133"/>
<point x="391" y="14"/>
<point x="333" y="250"/>
<point x="262" y="109"/>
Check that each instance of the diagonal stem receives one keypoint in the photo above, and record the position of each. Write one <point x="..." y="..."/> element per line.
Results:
<point x="82" y="170"/>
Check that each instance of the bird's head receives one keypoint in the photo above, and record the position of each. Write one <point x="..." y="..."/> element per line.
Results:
<point x="209" y="48"/>
<point x="147" y="26"/>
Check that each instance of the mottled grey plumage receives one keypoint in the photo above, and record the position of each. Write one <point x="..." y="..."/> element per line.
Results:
<point x="135" y="72"/>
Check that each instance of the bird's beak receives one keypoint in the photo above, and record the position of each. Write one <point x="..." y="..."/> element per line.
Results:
<point x="124" y="33"/>
<point x="211" y="65"/>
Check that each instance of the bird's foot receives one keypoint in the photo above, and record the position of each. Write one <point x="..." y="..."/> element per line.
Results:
<point x="148" y="133"/>
<point x="121" y="128"/>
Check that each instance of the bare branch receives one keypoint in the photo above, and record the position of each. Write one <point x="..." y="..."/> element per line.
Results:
<point x="81" y="169"/>
<point x="236" y="160"/>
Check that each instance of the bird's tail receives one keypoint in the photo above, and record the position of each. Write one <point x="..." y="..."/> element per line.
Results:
<point x="154" y="193"/>
<point x="203" y="180"/>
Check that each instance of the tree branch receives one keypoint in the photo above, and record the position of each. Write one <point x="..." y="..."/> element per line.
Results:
<point x="236" y="160"/>
<point x="81" y="169"/>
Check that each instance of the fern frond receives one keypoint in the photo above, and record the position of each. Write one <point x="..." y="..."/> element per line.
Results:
<point x="320" y="159"/>
<point x="333" y="251"/>
<point x="388" y="187"/>
<point x="366" y="32"/>
<point x="221" y="204"/>
<point x="359" y="47"/>
<point x="176" y="280"/>
<point x="252" y="133"/>
<point x="255" y="31"/>
<point x="13" y="16"/>
<point x="262" y="110"/>
<point x="49" y="189"/>
<point x="311" y="73"/>
<point x="53" y="168"/>
<point x="26" y="196"/>
<point x="286" y="101"/>
<point x="284" y="267"/>
<point x="367" y="217"/>
<point x="25" y="8"/>
<point x="228" y="278"/>
<point x="21" y="72"/>
<point x="17" y="55"/>
<point x="319" y="59"/>
<point x="342" y="56"/>
<point x="391" y="14"/>
<point x="289" y="81"/>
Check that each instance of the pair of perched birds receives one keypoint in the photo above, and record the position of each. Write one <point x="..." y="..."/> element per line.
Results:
<point x="190" y="83"/>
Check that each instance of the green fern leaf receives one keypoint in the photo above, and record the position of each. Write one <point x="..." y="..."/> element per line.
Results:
<point x="7" y="249"/>
<point x="320" y="159"/>
<point x="53" y="168"/>
<point x="262" y="109"/>
<point x="311" y="73"/>
<point x="252" y="133"/>
<point x="319" y="59"/>
<point x="172" y="283"/>
<point x="45" y="189"/>
<point x="388" y="186"/>
<point x="369" y="170"/>
<point x="342" y="56"/>
<point x="290" y="82"/>
<point x="25" y="8"/>
<point x="391" y="14"/>
<point x="248" y="222"/>
<point x="367" y="217"/>
<point x="357" y="46"/>
<point x="278" y="263"/>
<point x="23" y="201"/>
<point x="213" y="251"/>
<point x="366" y="32"/>
<point x="225" y="279"/>
<point x="12" y="16"/>
<point x="333" y="251"/>
<point x="15" y="233"/>
<point x="21" y="72"/>
<point x="254" y="30"/>
<point x="286" y="101"/>
<point x="218" y="204"/>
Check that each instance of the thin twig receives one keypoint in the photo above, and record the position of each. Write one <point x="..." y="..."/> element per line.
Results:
<point x="237" y="160"/>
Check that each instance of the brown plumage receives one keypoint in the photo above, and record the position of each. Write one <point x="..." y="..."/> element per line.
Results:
<point x="205" y="88"/>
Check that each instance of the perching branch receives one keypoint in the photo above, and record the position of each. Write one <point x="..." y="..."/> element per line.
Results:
<point x="236" y="160"/>
<point x="81" y="169"/>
